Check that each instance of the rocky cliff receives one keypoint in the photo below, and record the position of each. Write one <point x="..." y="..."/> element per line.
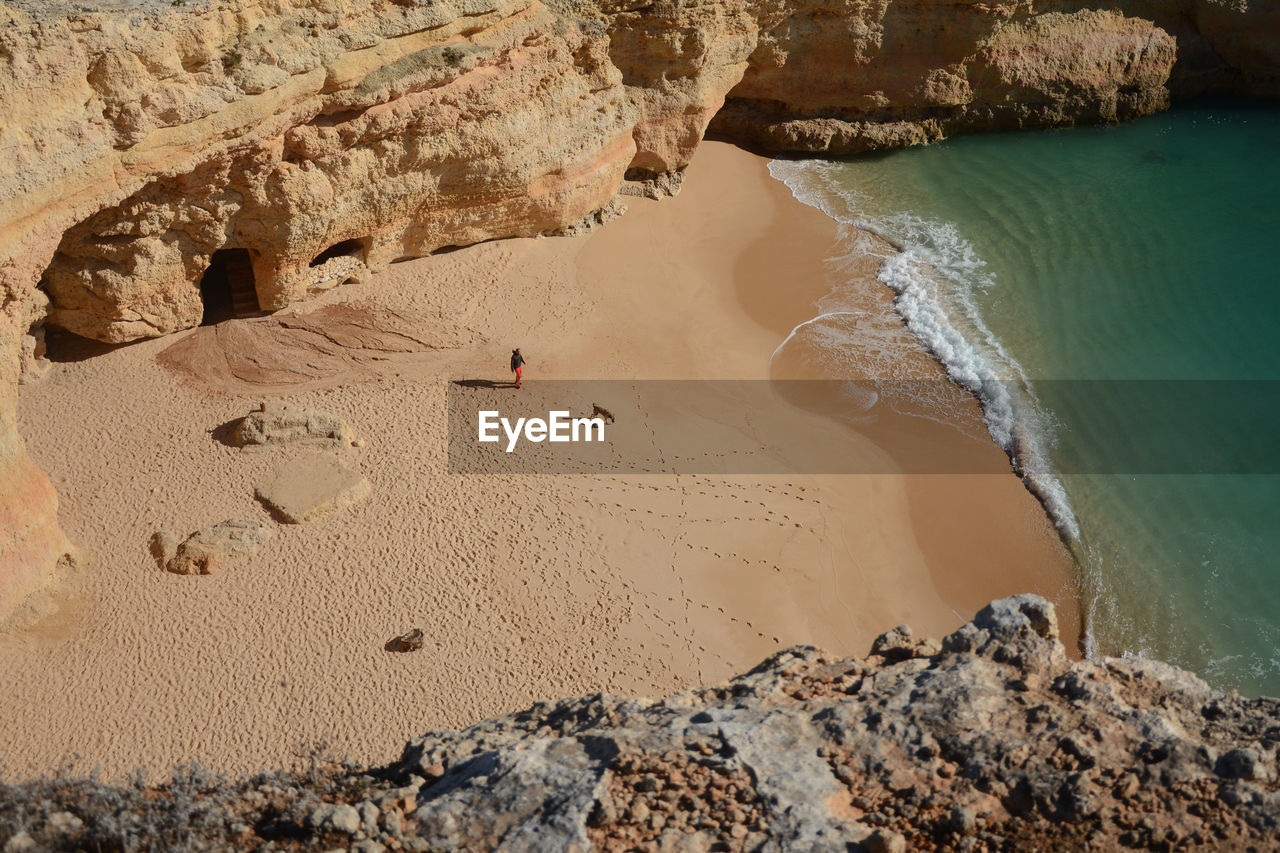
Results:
<point x="826" y="79"/>
<point x="274" y="149"/>
<point x="989" y="740"/>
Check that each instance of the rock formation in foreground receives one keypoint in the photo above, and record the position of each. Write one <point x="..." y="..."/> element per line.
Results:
<point x="989" y="740"/>
<point x="173" y="161"/>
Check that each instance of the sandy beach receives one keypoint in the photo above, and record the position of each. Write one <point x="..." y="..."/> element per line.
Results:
<point x="527" y="587"/>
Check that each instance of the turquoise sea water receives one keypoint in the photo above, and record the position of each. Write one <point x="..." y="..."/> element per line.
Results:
<point x="1145" y="251"/>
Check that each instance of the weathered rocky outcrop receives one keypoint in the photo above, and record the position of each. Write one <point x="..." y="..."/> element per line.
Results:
<point x="319" y="140"/>
<point x="209" y="550"/>
<point x="914" y="73"/>
<point x="842" y="78"/>
<point x="989" y="740"/>
<point x="282" y="148"/>
<point x="326" y="140"/>
<point x="31" y="542"/>
<point x="280" y="423"/>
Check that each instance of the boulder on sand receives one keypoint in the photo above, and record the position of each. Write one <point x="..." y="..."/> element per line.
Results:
<point x="279" y="423"/>
<point x="207" y="550"/>
<point x="310" y="486"/>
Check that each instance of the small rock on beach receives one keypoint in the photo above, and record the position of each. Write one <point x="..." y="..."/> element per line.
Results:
<point x="409" y="642"/>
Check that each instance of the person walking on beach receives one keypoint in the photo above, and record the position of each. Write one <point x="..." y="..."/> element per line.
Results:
<point x="517" y="365"/>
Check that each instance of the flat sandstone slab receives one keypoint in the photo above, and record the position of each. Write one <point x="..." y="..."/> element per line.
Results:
<point x="310" y="486"/>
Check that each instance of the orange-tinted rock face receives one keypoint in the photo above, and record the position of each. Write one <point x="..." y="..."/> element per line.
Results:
<point x="309" y="145"/>
<point x="895" y="74"/>
<point x="30" y="539"/>
<point x="31" y="542"/>
<point x="843" y="77"/>
<point x="329" y="150"/>
<point x="677" y="61"/>
<point x="322" y="142"/>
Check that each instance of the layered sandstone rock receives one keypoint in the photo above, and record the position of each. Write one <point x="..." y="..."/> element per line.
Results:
<point x="277" y="149"/>
<point x="209" y="550"/>
<point x="280" y="423"/>
<point x="316" y="141"/>
<point x="842" y="78"/>
<point x="328" y="142"/>
<point x="989" y="740"/>
<point x="31" y="542"/>
<point x="901" y="74"/>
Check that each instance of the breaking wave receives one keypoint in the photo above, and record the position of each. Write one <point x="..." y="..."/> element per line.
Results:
<point x="935" y="274"/>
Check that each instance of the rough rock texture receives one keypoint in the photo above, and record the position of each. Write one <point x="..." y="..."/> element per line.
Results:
<point x="31" y="542"/>
<point x="207" y="551"/>
<point x="842" y="78"/>
<point x="312" y="485"/>
<point x="33" y="364"/>
<point x="914" y="73"/>
<point x="289" y="147"/>
<point x="280" y="423"/>
<point x="410" y="641"/>
<point x="990" y="740"/>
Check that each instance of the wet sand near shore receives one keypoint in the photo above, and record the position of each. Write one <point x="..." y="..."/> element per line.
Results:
<point x="527" y="587"/>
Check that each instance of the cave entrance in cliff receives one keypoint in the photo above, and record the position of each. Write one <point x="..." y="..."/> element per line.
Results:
<point x="228" y="289"/>
<point x="345" y="249"/>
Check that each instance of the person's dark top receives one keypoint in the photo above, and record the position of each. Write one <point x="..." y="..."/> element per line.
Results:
<point x="516" y="360"/>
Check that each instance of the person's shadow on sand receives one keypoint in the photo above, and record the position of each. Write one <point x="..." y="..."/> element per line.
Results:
<point x="482" y="383"/>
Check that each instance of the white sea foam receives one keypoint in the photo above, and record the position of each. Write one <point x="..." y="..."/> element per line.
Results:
<point x="936" y="273"/>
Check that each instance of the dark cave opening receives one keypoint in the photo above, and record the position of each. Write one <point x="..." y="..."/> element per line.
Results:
<point x="227" y="288"/>
<point x="346" y="248"/>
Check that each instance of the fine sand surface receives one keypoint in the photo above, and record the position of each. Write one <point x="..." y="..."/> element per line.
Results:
<point x="527" y="587"/>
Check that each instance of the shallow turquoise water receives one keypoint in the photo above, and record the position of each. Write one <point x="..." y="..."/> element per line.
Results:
<point x="1144" y="251"/>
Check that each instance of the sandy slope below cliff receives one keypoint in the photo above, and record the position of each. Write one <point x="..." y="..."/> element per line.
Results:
<point x="527" y="587"/>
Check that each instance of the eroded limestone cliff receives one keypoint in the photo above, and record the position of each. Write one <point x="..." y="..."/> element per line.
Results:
<point x="825" y="78"/>
<point x="276" y="149"/>
<point x="989" y="740"/>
